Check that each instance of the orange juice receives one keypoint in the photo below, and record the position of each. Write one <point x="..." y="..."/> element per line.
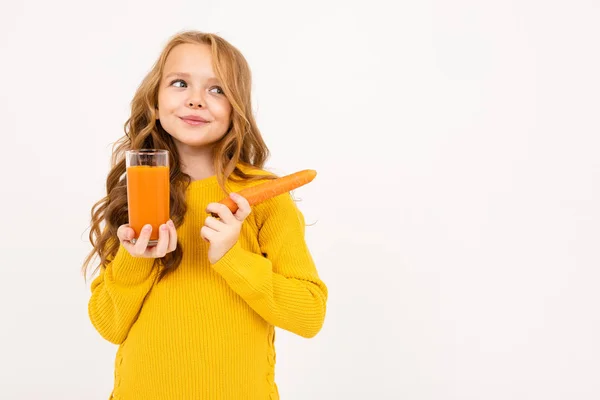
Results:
<point x="148" y="198"/>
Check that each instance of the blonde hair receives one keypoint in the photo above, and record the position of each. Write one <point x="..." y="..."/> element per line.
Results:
<point x="241" y="145"/>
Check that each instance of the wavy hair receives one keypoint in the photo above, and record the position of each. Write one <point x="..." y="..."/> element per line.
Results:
<point x="242" y="145"/>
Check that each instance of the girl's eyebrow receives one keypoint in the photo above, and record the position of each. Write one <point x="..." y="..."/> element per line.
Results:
<point x="178" y="74"/>
<point x="185" y="75"/>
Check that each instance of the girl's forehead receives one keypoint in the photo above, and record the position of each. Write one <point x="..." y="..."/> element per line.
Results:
<point x="190" y="54"/>
<point x="189" y="61"/>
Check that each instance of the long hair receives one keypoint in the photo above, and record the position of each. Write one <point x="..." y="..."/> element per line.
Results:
<point x="241" y="145"/>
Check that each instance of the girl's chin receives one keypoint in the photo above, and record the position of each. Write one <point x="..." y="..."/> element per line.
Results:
<point x="191" y="143"/>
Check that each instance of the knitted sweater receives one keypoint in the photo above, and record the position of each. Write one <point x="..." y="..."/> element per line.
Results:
<point x="207" y="331"/>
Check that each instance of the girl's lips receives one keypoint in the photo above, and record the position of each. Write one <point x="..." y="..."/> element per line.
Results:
<point x="193" y="121"/>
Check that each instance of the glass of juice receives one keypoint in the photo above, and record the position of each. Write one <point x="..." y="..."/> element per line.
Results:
<point x="147" y="190"/>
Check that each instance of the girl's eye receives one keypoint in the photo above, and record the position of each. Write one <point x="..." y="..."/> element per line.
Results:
<point x="181" y="81"/>
<point x="220" y="90"/>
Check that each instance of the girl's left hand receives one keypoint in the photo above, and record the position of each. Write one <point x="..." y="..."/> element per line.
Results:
<point x="224" y="232"/>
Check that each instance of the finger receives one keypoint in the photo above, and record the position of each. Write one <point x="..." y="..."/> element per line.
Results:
<point x="244" y="208"/>
<point x="126" y="236"/>
<point x="125" y="233"/>
<point x="207" y="233"/>
<point x="214" y="223"/>
<point x="163" y="242"/>
<point x="222" y="211"/>
<point x="172" y="236"/>
<point x="143" y="239"/>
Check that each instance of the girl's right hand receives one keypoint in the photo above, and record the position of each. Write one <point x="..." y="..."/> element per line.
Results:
<point x="167" y="240"/>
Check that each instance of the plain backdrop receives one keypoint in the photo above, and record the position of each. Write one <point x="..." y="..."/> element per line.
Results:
<point x="454" y="218"/>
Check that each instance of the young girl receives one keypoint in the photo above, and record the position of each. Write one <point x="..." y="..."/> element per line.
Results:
<point x="195" y="315"/>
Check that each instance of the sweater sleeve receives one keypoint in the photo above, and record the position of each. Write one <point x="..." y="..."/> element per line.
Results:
<point x="118" y="294"/>
<point x="281" y="284"/>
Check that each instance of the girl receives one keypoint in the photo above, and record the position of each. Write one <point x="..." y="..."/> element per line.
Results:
<point x="195" y="315"/>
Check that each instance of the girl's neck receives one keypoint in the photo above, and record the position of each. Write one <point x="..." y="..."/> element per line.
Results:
<point x="196" y="162"/>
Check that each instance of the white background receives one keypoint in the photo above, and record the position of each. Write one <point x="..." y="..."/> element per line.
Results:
<point x="456" y="205"/>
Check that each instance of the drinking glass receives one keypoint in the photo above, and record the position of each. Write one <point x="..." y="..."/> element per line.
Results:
<point x="147" y="190"/>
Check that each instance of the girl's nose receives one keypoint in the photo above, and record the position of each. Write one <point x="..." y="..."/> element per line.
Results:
<point x="195" y="99"/>
<point x="195" y="103"/>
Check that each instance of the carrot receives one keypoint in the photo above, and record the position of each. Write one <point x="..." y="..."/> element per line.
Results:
<point x="272" y="188"/>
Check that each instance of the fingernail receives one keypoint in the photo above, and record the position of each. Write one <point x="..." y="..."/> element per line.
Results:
<point x="171" y="224"/>
<point x="147" y="228"/>
<point x="163" y="227"/>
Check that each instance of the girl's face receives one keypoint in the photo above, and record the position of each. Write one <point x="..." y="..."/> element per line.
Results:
<point x="191" y="105"/>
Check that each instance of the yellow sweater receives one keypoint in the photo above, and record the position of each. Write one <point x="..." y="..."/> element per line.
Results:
<point x="207" y="331"/>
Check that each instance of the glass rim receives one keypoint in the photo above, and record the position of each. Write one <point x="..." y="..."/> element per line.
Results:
<point x="147" y="151"/>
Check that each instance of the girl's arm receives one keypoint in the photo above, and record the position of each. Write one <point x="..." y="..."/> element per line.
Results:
<point x="118" y="294"/>
<point x="282" y="285"/>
